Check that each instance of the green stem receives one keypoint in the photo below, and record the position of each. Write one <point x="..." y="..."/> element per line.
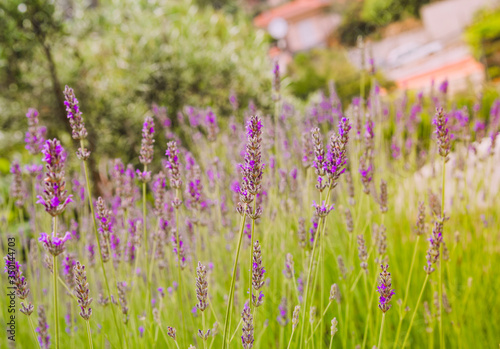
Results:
<point x="146" y="251"/>
<point x="440" y="282"/>
<point x="290" y="341"/>
<point x="309" y="271"/>
<point x="233" y="279"/>
<point x="56" y="310"/>
<point x="320" y="322"/>
<point x="403" y="306"/>
<point x="91" y="346"/>
<point x="365" y="336"/>
<point x="415" y="310"/>
<point x="381" y="332"/>
<point x="33" y="331"/>
<point x="203" y="328"/>
<point x="89" y="196"/>
<point x="179" y="294"/>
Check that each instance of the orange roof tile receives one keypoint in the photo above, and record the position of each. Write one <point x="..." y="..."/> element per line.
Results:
<point x="289" y="10"/>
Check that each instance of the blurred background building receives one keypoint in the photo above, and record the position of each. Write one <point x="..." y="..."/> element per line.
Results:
<point x="412" y="52"/>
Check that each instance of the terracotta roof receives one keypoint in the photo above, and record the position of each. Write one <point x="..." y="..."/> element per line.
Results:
<point x="289" y="10"/>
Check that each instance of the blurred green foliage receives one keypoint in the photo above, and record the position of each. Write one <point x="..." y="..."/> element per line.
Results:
<point x="484" y="38"/>
<point x="311" y="71"/>
<point x="366" y="17"/>
<point x="120" y="57"/>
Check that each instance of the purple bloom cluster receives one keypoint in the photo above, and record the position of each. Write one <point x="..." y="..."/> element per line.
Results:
<point x="337" y="153"/>
<point x="17" y="187"/>
<point x="55" y="197"/>
<point x="148" y="133"/>
<point x="385" y="289"/>
<point x="442" y="133"/>
<point x="435" y="242"/>
<point x="211" y="125"/>
<point x="74" y="114"/>
<point x="35" y="136"/>
<point x="173" y="165"/>
<point x="253" y="167"/>
<point x="54" y="244"/>
<point x="16" y="278"/>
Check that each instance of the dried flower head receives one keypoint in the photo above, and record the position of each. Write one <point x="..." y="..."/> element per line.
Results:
<point x="295" y="319"/>
<point x="333" y="328"/>
<point x="82" y="291"/>
<point x="201" y="287"/>
<point x="348" y="221"/>
<point x="334" y="293"/>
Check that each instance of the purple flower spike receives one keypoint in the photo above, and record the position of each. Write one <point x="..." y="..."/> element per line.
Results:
<point x="148" y="133"/>
<point x="35" y="137"/>
<point x="385" y="289"/>
<point x="55" y="198"/>
<point x="442" y="133"/>
<point x="74" y="114"/>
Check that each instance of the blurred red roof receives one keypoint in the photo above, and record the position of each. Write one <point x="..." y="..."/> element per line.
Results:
<point x="289" y="10"/>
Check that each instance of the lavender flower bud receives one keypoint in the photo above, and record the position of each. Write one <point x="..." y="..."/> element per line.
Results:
<point x="171" y="332"/>
<point x="17" y="187"/>
<point x="348" y="221"/>
<point x="173" y="165"/>
<point x="442" y="133"/>
<point x="421" y="218"/>
<point x="307" y="150"/>
<point x="82" y="291"/>
<point x="201" y="287"/>
<point x="253" y="167"/>
<point x="74" y="114"/>
<point x="366" y="171"/>
<point x="257" y="270"/>
<point x="247" y="337"/>
<point x="363" y="255"/>
<point x="383" y="196"/>
<point x="342" y="268"/>
<point x="55" y="198"/>
<point x="43" y="329"/>
<point x="301" y="232"/>
<point x="27" y="309"/>
<point x="385" y="290"/>
<point x="333" y="328"/>
<point x="35" y="136"/>
<point x="334" y="293"/>
<point x="103" y="217"/>
<point x="211" y="125"/>
<point x="282" y="316"/>
<point x="122" y="287"/>
<point x="295" y="319"/>
<point x="16" y="278"/>
<point x="337" y="153"/>
<point x="434" y="245"/>
<point x="148" y="133"/>
<point x="288" y="271"/>
<point x="319" y="152"/>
